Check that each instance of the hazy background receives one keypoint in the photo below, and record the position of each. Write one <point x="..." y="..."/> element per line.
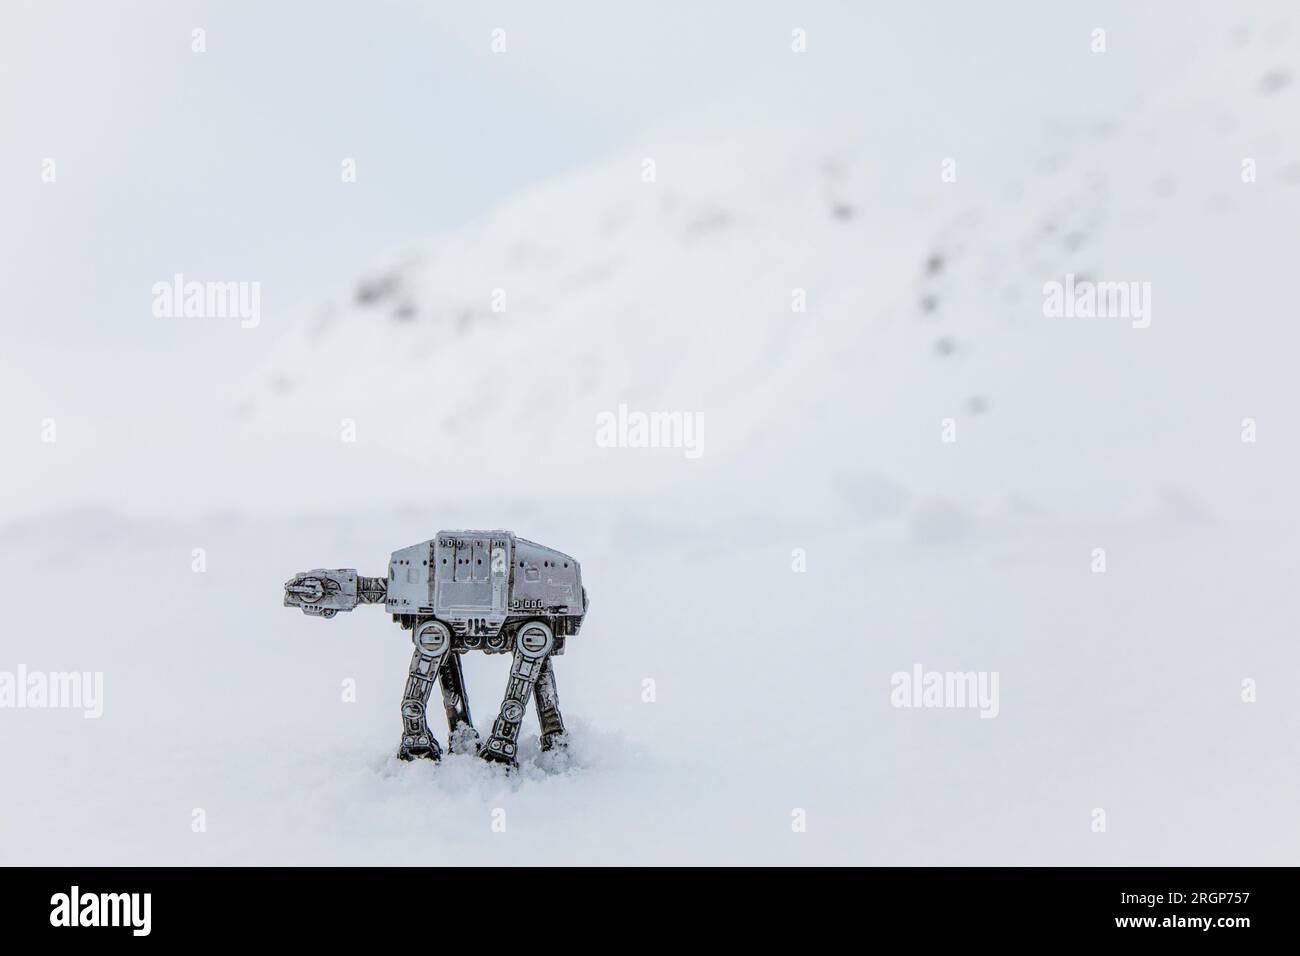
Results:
<point x="226" y="164"/>
<point x="195" y="440"/>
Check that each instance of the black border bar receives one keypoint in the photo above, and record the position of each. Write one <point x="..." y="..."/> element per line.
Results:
<point x="371" y="904"/>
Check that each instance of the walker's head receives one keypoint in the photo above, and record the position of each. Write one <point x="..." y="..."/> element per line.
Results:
<point x="323" y="593"/>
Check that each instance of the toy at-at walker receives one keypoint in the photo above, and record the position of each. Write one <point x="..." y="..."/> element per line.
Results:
<point x="467" y="591"/>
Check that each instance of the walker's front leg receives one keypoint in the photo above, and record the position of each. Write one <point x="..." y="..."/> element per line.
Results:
<point x="532" y="645"/>
<point x="432" y="643"/>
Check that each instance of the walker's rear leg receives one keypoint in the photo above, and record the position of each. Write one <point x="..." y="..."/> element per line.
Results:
<point x="532" y="644"/>
<point x="462" y="735"/>
<point x="548" y="706"/>
<point x="432" y="643"/>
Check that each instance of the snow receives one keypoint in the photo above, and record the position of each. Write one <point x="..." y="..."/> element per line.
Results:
<point x="771" y="687"/>
<point x="771" y="694"/>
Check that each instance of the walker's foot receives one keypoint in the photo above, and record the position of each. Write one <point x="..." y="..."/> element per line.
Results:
<point x="499" y="756"/>
<point x="419" y="748"/>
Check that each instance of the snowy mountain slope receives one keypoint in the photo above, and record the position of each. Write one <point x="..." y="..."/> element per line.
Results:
<point x="671" y="296"/>
<point x="924" y="302"/>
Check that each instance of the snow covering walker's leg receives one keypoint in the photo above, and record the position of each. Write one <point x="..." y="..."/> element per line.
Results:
<point x="432" y="642"/>
<point x="532" y="645"/>
<point x="460" y="726"/>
